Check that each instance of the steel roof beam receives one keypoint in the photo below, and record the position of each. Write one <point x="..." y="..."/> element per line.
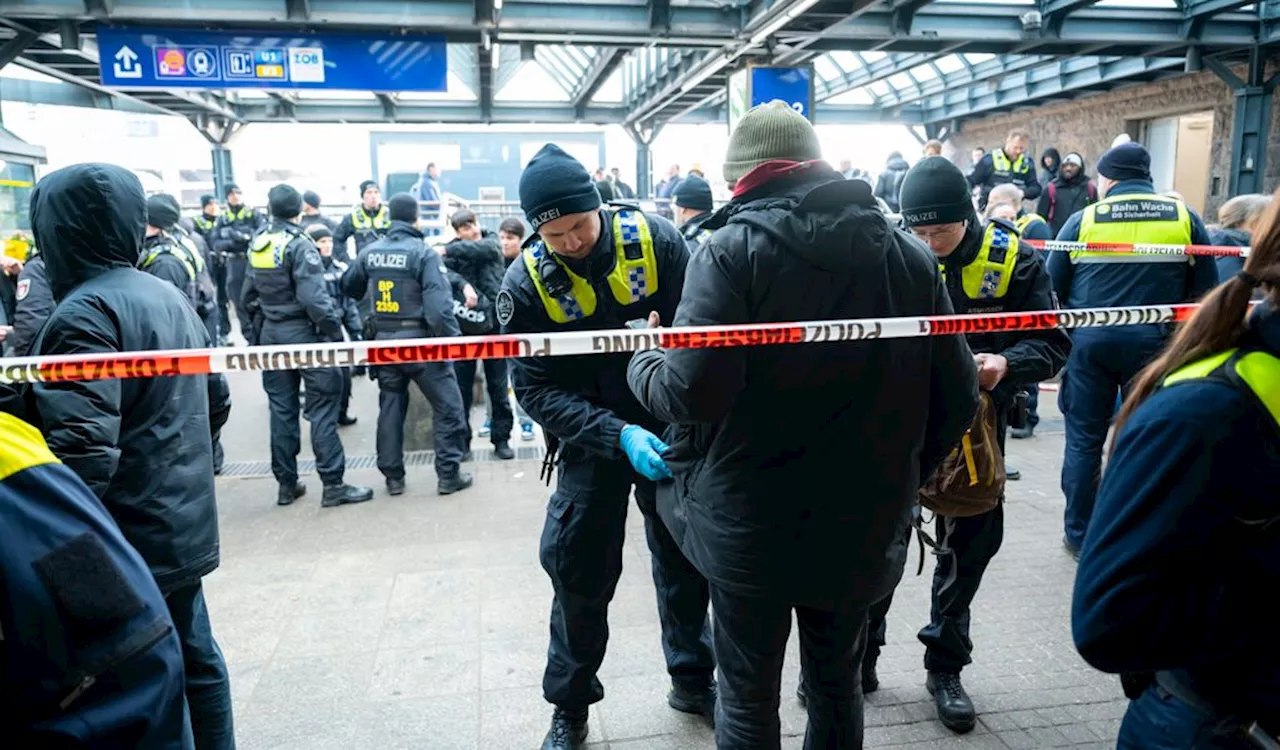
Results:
<point x="297" y="10"/>
<point x="886" y="67"/>
<point x="10" y="50"/>
<point x="660" y="15"/>
<point x="606" y="62"/>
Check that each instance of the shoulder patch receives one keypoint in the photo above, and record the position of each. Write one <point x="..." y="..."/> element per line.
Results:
<point x="505" y="306"/>
<point x="24" y="288"/>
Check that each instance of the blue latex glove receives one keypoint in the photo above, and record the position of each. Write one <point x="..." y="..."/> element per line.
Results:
<point x="644" y="450"/>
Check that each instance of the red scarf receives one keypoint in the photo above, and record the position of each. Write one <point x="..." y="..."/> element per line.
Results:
<point x="772" y="170"/>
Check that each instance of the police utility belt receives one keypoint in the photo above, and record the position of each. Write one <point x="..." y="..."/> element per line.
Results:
<point x="1170" y="684"/>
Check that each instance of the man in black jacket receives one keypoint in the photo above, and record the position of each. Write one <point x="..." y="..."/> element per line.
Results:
<point x="235" y="229"/>
<point x="889" y="183"/>
<point x="410" y="300"/>
<point x="772" y="541"/>
<point x="33" y="303"/>
<point x="286" y="295"/>
<point x="595" y="268"/>
<point x="141" y="444"/>
<point x="986" y="270"/>
<point x="476" y="256"/>
<point x="1070" y="191"/>
<point x="693" y="202"/>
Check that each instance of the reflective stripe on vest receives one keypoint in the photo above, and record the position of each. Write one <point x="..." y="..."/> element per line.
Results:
<point x="268" y="250"/>
<point x="1259" y="371"/>
<point x="1138" y="219"/>
<point x="1026" y="220"/>
<point x="634" y="276"/>
<point x="177" y="251"/>
<point x="204" y="223"/>
<point x="361" y="221"/>
<point x="986" y="279"/>
<point x="1002" y="167"/>
<point x="240" y="213"/>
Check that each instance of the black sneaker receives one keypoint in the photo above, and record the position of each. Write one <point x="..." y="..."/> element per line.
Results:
<point x="286" y="494"/>
<point x="1011" y="473"/>
<point x="568" y="731"/>
<point x="503" y="451"/>
<point x="346" y="420"/>
<point x="694" y="700"/>
<point x="455" y="483"/>
<point x="1022" y="433"/>
<point x="870" y="680"/>
<point x="344" y="494"/>
<point x="955" y="709"/>
<point x="395" y="486"/>
<point x="1071" y="549"/>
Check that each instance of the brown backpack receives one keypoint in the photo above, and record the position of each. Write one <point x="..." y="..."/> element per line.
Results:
<point x="969" y="481"/>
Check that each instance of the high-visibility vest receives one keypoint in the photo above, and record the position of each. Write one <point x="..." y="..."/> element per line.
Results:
<point x="1134" y="219"/>
<point x="362" y="222"/>
<point x="1004" y="170"/>
<point x="1025" y="221"/>
<point x="569" y="297"/>
<point x="988" y="275"/>
<point x="1249" y="369"/>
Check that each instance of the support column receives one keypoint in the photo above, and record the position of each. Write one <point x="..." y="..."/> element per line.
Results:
<point x="1252" y="122"/>
<point x="219" y="132"/>
<point x="643" y="138"/>
<point x="223" y="173"/>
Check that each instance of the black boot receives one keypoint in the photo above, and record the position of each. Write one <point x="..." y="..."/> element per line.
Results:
<point x="455" y="483"/>
<point x="286" y="495"/>
<point x="692" y="699"/>
<point x="870" y="680"/>
<point x="1011" y="473"/>
<point x="344" y="494"/>
<point x="1022" y="433"/>
<point x="955" y="710"/>
<point x="395" y="486"/>
<point x="568" y="730"/>
<point x="346" y="420"/>
<point x="503" y="451"/>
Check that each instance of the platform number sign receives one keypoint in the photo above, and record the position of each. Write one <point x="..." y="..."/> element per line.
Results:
<point x="793" y="85"/>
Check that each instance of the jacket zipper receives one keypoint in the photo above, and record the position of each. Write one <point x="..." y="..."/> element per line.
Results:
<point x="90" y="678"/>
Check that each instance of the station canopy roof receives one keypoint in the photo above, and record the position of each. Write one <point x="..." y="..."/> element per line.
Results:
<point x="644" y="63"/>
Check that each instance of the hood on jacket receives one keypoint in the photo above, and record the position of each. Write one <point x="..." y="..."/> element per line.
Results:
<point x="897" y="164"/>
<point x="1057" y="159"/>
<point x="833" y="223"/>
<point x="87" y="219"/>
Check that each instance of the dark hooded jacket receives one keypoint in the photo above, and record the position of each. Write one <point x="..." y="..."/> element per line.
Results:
<point x="889" y="184"/>
<point x="479" y="263"/>
<point x="1048" y="174"/>
<point x="141" y="444"/>
<point x="796" y="467"/>
<point x="34" y="303"/>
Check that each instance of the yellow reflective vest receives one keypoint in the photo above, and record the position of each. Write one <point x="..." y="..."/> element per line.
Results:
<point x="634" y="276"/>
<point x="1252" y="369"/>
<point x="988" y="275"/>
<point x="1138" y="219"/>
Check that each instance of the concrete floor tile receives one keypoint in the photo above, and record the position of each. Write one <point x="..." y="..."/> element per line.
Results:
<point x="247" y="641"/>
<point x="318" y="683"/>
<point x="518" y="720"/>
<point x="364" y="594"/>
<point x="425" y="672"/>
<point x="298" y="727"/>
<point x="512" y="664"/>
<point x="415" y="592"/>
<point x="520" y="618"/>
<point x="442" y="722"/>
<point x="636" y="707"/>
<point x="330" y="633"/>
<point x="443" y="623"/>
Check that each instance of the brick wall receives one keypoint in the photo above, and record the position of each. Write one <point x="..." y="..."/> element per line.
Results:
<point x="1088" y="125"/>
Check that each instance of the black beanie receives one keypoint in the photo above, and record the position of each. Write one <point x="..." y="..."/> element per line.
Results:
<point x="693" y="193"/>
<point x="229" y="189"/>
<point x="206" y="199"/>
<point x="555" y="184"/>
<point x="318" y="232"/>
<point x="403" y="207"/>
<point x="365" y="186"/>
<point x="935" y="192"/>
<point x="1128" y="161"/>
<point x="285" y="202"/>
<point x="311" y="198"/>
<point x="162" y="211"/>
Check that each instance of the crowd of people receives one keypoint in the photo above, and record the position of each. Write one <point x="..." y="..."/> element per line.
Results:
<point x="739" y="458"/>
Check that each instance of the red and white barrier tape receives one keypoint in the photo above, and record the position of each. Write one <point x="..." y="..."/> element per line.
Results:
<point x="1217" y="251"/>
<point x="559" y="344"/>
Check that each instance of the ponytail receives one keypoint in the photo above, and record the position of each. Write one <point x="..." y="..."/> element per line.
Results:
<point x="1220" y="321"/>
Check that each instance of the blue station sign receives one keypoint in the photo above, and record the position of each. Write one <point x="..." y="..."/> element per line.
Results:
<point x="792" y="85"/>
<point x="180" y="58"/>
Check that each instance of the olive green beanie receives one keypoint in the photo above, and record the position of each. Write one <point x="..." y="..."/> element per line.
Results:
<point x="769" y="131"/>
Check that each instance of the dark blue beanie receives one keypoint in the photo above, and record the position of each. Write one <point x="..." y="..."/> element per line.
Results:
<point x="1128" y="161"/>
<point x="555" y="184"/>
<point x="693" y="193"/>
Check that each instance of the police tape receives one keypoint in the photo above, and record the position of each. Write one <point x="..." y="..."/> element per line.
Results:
<point x="149" y="364"/>
<point x="1062" y="246"/>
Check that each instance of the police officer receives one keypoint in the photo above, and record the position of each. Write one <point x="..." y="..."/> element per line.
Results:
<point x="368" y="222"/>
<point x="986" y="270"/>
<point x="232" y="234"/>
<point x="285" y="290"/>
<point x="333" y="270"/>
<point x="1006" y="165"/>
<point x="74" y="585"/>
<point x="1183" y="551"/>
<point x="202" y="226"/>
<point x="33" y="301"/>
<point x="411" y="299"/>
<point x="588" y="268"/>
<point x="311" y="213"/>
<point x="204" y="222"/>
<point x="1104" y="360"/>
<point x="693" y="204"/>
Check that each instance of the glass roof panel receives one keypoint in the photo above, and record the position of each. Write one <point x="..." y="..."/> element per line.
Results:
<point x="845" y="59"/>
<point x="873" y="55"/>
<point x="978" y="57"/>
<point x="901" y="81"/>
<point x="949" y="64"/>
<point x="826" y="69"/>
<point x="531" y="83"/>
<point x="859" y="95"/>
<point x="879" y="88"/>
<point x="923" y="73"/>
<point x="610" y="92"/>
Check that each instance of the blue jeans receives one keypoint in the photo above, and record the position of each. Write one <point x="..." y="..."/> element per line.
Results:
<point x="1159" y="721"/>
<point x="208" y="688"/>
<point x="1102" y="363"/>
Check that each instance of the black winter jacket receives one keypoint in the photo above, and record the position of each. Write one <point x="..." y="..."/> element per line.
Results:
<point x="141" y="444"/>
<point x="796" y="467"/>
<point x="889" y="184"/>
<point x="478" y="262"/>
<point x="34" y="303"/>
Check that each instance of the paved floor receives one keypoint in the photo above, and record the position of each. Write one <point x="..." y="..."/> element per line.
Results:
<point x="420" y="621"/>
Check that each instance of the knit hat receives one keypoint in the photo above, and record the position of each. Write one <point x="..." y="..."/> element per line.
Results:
<point x="403" y="207"/>
<point x="229" y="189"/>
<point x="694" y="194"/>
<point x="1074" y="158"/>
<point x="365" y="186"/>
<point x="312" y="198"/>
<point x="284" y="201"/>
<point x="318" y="232"/>
<point x="206" y="199"/>
<point x="769" y="131"/>
<point x="935" y="192"/>
<point x="1128" y="161"/>
<point x="162" y="211"/>
<point x="555" y="184"/>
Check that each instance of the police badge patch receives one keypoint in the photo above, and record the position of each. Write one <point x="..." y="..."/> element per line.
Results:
<point x="505" y="306"/>
<point x="24" y="288"/>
